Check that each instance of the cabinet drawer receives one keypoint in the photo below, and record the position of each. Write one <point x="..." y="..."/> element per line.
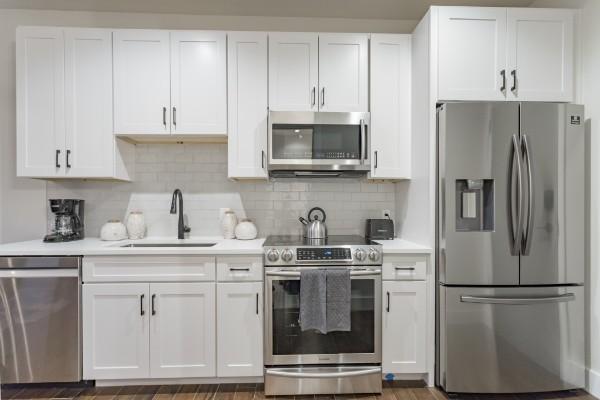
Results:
<point x="404" y="267"/>
<point x="148" y="268"/>
<point x="240" y="268"/>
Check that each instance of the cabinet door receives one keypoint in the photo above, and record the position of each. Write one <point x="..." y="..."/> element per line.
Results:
<point x="293" y="71"/>
<point x="404" y="324"/>
<point x="472" y="53"/>
<point x="247" y="104"/>
<point x="240" y="329"/>
<point x="182" y="330"/>
<point x="540" y="52"/>
<point x="115" y="331"/>
<point x="198" y="82"/>
<point x="88" y="103"/>
<point x="40" y="102"/>
<point x="141" y="81"/>
<point x="390" y="106"/>
<point x="343" y="72"/>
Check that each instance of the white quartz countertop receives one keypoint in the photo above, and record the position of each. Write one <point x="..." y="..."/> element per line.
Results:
<point x="97" y="247"/>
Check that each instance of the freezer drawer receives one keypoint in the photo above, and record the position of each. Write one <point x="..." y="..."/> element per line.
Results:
<point x="509" y="340"/>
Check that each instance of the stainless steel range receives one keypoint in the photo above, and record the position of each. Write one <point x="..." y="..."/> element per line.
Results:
<point x="309" y="362"/>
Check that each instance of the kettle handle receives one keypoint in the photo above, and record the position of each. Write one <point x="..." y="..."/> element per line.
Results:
<point x="301" y="219"/>
<point x="317" y="209"/>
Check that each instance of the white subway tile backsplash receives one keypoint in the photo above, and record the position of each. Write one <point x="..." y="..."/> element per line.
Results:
<point x="200" y="171"/>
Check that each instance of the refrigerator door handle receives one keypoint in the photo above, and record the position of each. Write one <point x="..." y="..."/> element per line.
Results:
<point x="516" y="237"/>
<point x="526" y="245"/>
<point x="517" y="300"/>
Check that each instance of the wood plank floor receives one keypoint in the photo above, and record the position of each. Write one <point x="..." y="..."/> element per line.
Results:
<point x="391" y="391"/>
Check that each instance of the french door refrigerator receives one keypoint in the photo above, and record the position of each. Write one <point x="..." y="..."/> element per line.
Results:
<point x="510" y="247"/>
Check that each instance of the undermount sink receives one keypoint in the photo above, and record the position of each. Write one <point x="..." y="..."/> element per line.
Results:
<point x="168" y="245"/>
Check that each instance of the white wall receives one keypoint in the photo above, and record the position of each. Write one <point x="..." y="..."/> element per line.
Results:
<point x="589" y="87"/>
<point x="22" y="201"/>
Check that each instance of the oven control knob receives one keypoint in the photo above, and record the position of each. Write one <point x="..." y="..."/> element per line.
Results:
<point x="373" y="255"/>
<point x="360" y="254"/>
<point x="272" y="255"/>
<point x="287" y="255"/>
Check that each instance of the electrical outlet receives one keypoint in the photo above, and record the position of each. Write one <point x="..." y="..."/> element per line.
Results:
<point x="386" y="213"/>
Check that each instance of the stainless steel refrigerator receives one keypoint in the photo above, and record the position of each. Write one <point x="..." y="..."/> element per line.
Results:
<point x="510" y="247"/>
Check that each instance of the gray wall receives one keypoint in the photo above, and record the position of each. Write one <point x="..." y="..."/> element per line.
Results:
<point x="22" y="201"/>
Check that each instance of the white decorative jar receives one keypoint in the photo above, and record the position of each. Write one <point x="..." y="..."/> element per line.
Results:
<point x="228" y="224"/>
<point x="246" y="230"/>
<point x="136" y="225"/>
<point x="114" y="229"/>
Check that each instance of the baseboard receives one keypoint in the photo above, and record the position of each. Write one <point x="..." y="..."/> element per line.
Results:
<point x="176" y="381"/>
<point x="593" y="386"/>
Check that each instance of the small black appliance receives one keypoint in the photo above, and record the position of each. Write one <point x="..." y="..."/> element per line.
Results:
<point x="65" y="220"/>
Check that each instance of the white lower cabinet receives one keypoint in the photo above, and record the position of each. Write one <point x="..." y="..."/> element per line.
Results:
<point x="182" y="330"/>
<point x="404" y="327"/>
<point x="115" y="331"/>
<point x="239" y="327"/>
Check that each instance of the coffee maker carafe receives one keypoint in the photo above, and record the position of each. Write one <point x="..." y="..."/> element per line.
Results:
<point x="65" y="220"/>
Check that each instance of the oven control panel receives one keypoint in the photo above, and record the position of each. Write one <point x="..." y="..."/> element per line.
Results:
<point x="323" y="253"/>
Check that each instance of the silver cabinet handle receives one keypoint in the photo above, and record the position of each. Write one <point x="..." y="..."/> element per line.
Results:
<point x="527" y="235"/>
<point x="513" y="73"/>
<point x="503" y="75"/>
<point x="67" y="159"/>
<point x="322" y="96"/>
<point x="517" y="300"/>
<point x="325" y="375"/>
<point x="297" y="273"/>
<point x="174" y="116"/>
<point x="165" y="116"/>
<point x="313" y="96"/>
<point x="516" y="236"/>
<point x="56" y="163"/>
<point x="387" y="308"/>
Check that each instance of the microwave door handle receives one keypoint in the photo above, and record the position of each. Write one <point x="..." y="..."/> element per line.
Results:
<point x="363" y="141"/>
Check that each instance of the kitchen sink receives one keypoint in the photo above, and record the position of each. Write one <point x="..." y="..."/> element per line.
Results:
<point x="168" y="245"/>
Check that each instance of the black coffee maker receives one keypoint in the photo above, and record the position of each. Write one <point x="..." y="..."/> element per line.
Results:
<point x="65" y="220"/>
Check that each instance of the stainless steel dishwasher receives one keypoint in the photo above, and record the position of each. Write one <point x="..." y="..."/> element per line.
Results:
<point x="40" y="331"/>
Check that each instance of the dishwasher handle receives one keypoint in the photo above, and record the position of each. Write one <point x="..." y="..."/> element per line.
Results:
<point x="39" y="273"/>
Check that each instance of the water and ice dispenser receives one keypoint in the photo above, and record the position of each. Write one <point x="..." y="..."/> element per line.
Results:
<point x="474" y="205"/>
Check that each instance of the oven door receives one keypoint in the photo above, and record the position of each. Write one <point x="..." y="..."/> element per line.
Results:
<point x="287" y="344"/>
<point x="318" y="141"/>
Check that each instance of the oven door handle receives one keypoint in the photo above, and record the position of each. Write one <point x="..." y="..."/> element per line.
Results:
<point x="325" y="375"/>
<point x="297" y="273"/>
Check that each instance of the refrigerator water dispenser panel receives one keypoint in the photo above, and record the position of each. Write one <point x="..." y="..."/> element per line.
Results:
<point x="474" y="205"/>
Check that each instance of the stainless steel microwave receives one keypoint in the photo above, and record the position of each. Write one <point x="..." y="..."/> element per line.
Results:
<point x="318" y="144"/>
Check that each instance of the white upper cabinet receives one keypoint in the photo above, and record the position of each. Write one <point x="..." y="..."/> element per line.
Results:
<point x="343" y="72"/>
<point x="390" y="106"/>
<point x="182" y="330"/>
<point x="247" y="105"/>
<point x="239" y="327"/>
<point x="540" y="52"/>
<point x="64" y="105"/>
<point x="40" y="102"/>
<point x="88" y="103"/>
<point x="115" y="331"/>
<point x="472" y="53"/>
<point x="141" y="81"/>
<point x="198" y="82"/>
<point x="500" y="54"/>
<point x="293" y="71"/>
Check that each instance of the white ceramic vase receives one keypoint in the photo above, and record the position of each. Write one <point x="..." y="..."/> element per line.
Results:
<point x="228" y="224"/>
<point x="114" y="229"/>
<point x="136" y="225"/>
<point x="246" y="230"/>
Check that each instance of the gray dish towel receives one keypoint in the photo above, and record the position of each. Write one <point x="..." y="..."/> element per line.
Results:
<point x="313" y="300"/>
<point x="338" y="300"/>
